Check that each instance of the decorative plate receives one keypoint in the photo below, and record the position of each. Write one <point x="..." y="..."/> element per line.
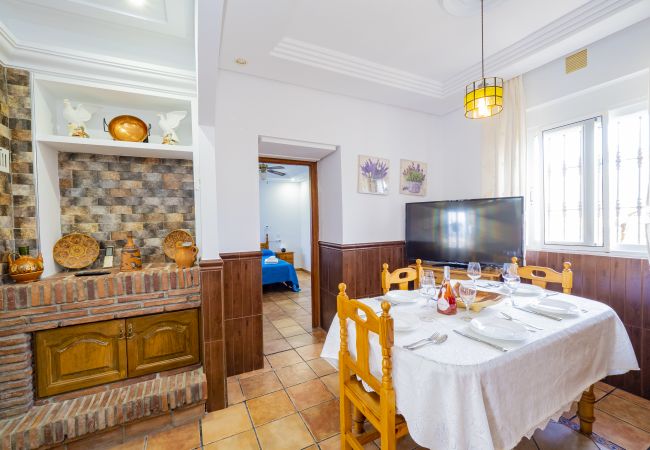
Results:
<point x="169" y="243"/>
<point x="128" y="128"/>
<point x="76" y="251"/>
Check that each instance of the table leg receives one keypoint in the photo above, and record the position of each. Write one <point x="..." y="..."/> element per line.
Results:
<point x="586" y="410"/>
<point x="357" y="421"/>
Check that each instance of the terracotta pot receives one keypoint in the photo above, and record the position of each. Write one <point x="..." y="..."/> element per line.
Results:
<point x="185" y="255"/>
<point x="25" y="268"/>
<point x="131" y="256"/>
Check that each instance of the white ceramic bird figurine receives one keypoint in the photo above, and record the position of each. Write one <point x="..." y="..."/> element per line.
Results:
<point x="168" y="122"/>
<point x="77" y="118"/>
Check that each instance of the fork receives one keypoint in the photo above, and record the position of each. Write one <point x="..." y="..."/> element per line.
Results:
<point x="439" y="340"/>
<point x="431" y="338"/>
<point x="533" y="328"/>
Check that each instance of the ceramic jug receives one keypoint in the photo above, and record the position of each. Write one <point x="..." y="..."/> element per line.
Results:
<point x="25" y="268"/>
<point x="185" y="254"/>
<point x="131" y="256"/>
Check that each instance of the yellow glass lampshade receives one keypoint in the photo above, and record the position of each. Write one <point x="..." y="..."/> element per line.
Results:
<point x="484" y="98"/>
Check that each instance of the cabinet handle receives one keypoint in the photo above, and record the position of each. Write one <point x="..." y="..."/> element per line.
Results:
<point x="129" y="332"/>
<point x="121" y="332"/>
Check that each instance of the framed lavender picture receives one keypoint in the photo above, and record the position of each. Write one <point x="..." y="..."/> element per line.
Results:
<point x="413" y="177"/>
<point x="373" y="175"/>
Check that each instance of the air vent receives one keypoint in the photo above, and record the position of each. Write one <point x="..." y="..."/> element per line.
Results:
<point x="5" y="160"/>
<point x="576" y="61"/>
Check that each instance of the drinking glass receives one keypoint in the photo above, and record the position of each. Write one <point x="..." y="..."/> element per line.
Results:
<point x="428" y="291"/>
<point x="468" y="295"/>
<point x="510" y="279"/>
<point x="474" y="271"/>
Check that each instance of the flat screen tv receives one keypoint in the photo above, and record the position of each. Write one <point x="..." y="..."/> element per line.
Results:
<point x="487" y="230"/>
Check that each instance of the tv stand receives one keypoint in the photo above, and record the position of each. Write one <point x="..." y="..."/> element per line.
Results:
<point x="460" y="272"/>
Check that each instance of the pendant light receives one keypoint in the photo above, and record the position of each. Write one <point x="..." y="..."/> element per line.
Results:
<point x="483" y="98"/>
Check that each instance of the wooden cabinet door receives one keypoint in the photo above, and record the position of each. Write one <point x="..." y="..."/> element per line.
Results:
<point x="81" y="356"/>
<point x="162" y="341"/>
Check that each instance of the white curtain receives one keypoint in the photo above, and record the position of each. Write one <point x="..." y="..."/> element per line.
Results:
<point x="503" y="149"/>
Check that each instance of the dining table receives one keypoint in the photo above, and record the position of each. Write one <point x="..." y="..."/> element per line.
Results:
<point x="483" y="393"/>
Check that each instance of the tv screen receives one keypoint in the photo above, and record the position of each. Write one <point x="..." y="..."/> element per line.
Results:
<point x="490" y="231"/>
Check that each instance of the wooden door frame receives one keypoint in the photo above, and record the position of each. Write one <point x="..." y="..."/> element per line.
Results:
<point x="315" y="260"/>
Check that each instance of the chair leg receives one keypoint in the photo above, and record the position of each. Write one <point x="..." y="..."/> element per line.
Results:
<point x="346" y="421"/>
<point x="586" y="410"/>
<point x="357" y="420"/>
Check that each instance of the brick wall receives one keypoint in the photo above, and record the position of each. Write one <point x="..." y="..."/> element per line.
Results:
<point x="68" y="300"/>
<point x="108" y="196"/>
<point x="17" y="194"/>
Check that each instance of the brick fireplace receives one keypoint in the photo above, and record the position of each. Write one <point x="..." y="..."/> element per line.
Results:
<point x="64" y="301"/>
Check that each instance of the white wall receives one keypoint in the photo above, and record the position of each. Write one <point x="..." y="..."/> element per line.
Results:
<point x="283" y="208"/>
<point x="249" y="106"/>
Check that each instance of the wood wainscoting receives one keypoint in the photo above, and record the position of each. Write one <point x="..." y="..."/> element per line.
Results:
<point x="212" y="331"/>
<point x="623" y="284"/>
<point x="242" y="282"/>
<point x="356" y="265"/>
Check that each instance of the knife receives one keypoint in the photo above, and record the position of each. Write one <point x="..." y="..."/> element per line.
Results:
<point x="547" y="315"/>
<point x="498" y="347"/>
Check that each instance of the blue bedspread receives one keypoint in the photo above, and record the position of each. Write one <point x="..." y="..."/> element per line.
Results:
<point x="282" y="272"/>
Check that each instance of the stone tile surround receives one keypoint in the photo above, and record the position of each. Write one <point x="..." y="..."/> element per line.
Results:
<point x="108" y="196"/>
<point x="64" y="300"/>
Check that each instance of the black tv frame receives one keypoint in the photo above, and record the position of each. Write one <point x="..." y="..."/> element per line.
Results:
<point x="411" y="259"/>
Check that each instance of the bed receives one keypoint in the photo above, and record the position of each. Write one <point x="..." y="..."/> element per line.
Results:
<point x="280" y="272"/>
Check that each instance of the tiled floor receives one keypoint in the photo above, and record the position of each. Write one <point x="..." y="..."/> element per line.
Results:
<point x="293" y="402"/>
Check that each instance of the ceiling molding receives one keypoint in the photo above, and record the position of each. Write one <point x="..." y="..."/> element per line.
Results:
<point x="85" y="66"/>
<point x="343" y="63"/>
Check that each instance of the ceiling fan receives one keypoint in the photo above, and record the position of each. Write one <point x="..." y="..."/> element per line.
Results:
<point x="265" y="168"/>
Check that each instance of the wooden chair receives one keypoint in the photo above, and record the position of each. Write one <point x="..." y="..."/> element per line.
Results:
<point x="378" y="406"/>
<point x="540" y="276"/>
<point x="265" y="245"/>
<point x="401" y="277"/>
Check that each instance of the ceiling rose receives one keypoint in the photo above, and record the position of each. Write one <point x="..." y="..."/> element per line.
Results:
<point x="466" y="7"/>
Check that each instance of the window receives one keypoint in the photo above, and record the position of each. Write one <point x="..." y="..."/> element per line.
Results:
<point x="595" y="175"/>
<point x="573" y="173"/>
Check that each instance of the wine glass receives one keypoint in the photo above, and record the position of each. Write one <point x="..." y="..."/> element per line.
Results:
<point x="428" y="290"/>
<point x="468" y="295"/>
<point x="474" y="271"/>
<point x="511" y="279"/>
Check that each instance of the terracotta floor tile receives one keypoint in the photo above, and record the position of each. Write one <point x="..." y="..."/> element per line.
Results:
<point x="276" y="346"/>
<point x="259" y="385"/>
<point x="235" y="394"/>
<point x="323" y="419"/>
<point x="632" y="398"/>
<point x="321" y="367"/>
<point x="271" y="335"/>
<point x="242" y="441"/>
<point x="133" y="444"/>
<point x="620" y="432"/>
<point x="295" y="374"/>
<point x="559" y="437"/>
<point x="269" y="407"/>
<point x="185" y="437"/>
<point x="284" y="323"/>
<point x="309" y="394"/>
<point x="310" y="351"/>
<point x="224" y="423"/>
<point x="293" y="330"/>
<point x="288" y="433"/>
<point x="267" y="368"/>
<point x="332" y="383"/>
<point x="604" y="386"/>
<point x="282" y="359"/>
<point x="301" y="340"/>
<point x="526" y="444"/>
<point x="631" y="413"/>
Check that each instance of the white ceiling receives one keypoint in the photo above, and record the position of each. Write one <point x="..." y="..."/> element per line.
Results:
<point x="418" y="54"/>
<point x="158" y="32"/>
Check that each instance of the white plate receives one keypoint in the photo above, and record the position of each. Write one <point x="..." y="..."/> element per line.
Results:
<point x="553" y="306"/>
<point x="405" y="321"/>
<point x="495" y="328"/>
<point x="528" y="290"/>
<point x="403" y="296"/>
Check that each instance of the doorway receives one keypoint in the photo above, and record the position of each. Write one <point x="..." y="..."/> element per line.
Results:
<point x="289" y="231"/>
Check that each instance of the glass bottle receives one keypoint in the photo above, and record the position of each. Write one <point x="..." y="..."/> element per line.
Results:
<point x="446" y="297"/>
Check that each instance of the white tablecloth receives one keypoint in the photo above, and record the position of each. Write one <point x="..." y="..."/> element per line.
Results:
<point x="463" y="394"/>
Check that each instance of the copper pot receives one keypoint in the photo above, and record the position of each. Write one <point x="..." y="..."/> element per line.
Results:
<point x="131" y="256"/>
<point x="25" y="268"/>
<point x="185" y="254"/>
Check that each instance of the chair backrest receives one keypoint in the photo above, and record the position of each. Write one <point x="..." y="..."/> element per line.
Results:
<point x="265" y="245"/>
<point x="401" y="277"/>
<point x="540" y="276"/>
<point x="379" y="325"/>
